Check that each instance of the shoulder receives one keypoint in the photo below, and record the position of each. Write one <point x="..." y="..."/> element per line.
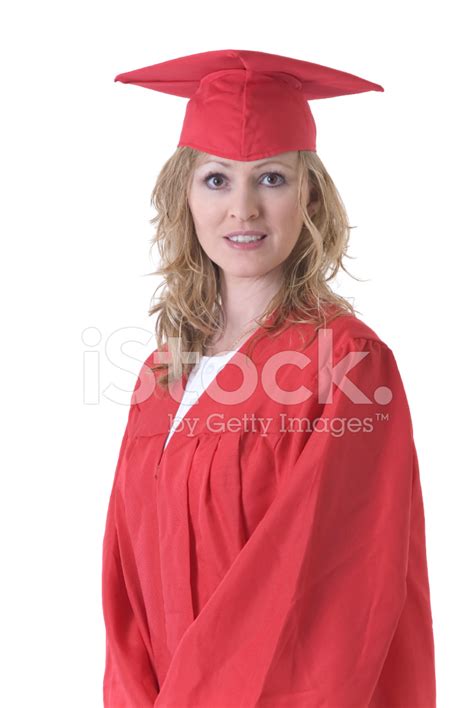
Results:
<point x="347" y="337"/>
<point x="145" y="383"/>
<point x="348" y="331"/>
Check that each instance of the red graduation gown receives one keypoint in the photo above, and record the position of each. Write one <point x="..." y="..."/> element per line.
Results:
<point x="253" y="564"/>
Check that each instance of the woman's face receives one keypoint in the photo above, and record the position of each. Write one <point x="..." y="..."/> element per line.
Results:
<point x="228" y="196"/>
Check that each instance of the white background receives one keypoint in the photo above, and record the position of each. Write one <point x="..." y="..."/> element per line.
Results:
<point x="79" y="158"/>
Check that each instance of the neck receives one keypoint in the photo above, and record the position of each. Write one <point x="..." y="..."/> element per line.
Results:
<point x="245" y="299"/>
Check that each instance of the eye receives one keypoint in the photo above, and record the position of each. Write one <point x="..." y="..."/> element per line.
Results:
<point x="275" y="174"/>
<point x="217" y="176"/>
<point x="213" y="176"/>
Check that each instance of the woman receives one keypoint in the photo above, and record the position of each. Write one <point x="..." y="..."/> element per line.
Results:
<point x="265" y="540"/>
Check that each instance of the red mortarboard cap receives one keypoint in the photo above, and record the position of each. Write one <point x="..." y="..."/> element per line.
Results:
<point x="247" y="105"/>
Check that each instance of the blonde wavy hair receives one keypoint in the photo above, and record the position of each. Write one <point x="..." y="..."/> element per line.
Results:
<point x="189" y="310"/>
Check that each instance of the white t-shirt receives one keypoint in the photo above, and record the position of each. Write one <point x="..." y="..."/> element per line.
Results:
<point x="199" y="379"/>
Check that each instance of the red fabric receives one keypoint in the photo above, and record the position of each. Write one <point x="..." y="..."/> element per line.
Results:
<point x="247" y="105"/>
<point x="243" y="569"/>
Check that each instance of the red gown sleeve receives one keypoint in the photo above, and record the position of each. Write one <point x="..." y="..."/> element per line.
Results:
<point x="129" y="678"/>
<point x="358" y="611"/>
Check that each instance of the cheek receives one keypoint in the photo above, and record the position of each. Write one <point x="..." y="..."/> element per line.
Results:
<point x="205" y="211"/>
<point x="286" y="213"/>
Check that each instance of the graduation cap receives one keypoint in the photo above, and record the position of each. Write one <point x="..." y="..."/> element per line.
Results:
<point x="247" y="105"/>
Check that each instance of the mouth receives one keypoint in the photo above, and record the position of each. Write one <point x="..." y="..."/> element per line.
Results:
<point x="245" y="239"/>
<point x="247" y="242"/>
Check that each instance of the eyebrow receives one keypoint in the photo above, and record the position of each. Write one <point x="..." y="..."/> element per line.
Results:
<point x="256" y="167"/>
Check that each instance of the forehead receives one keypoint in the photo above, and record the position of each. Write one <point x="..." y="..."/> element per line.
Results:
<point x="285" y="159"/>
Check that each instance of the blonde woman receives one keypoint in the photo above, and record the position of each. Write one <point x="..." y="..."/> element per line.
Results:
<point x="265" y="539"/>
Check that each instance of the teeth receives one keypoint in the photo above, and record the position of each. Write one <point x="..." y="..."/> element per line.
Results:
<point x="244" y="239"/>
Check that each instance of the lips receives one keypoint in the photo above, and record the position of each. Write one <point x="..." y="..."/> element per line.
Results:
<point x="246" y="244"/>
<point x="254" y="239"/>
<point x="245" y="233"/>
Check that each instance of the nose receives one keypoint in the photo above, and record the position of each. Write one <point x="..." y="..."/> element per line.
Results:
<point x="244" y="204"/>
